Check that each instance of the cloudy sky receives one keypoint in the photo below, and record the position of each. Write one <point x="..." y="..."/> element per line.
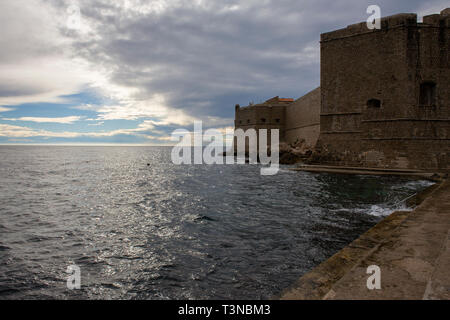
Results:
<point x="132" y="71"/>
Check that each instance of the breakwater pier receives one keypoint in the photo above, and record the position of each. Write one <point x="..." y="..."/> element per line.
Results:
<point x="411" y="249"/>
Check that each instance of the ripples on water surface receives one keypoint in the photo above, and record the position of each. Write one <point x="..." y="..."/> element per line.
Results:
<point x="171" y="232"/>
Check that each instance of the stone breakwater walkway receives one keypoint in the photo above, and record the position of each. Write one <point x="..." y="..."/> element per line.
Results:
<point x="365" y="171"/>
<point x="412" y="250"/>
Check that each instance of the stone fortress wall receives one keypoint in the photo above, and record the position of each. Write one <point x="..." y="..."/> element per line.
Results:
<point x="299" y="119"/>
<point x="386" y="94"/>
<point x="303" y="119"/>
<point x="384" y="99"/>
<point x="268" y="115"/>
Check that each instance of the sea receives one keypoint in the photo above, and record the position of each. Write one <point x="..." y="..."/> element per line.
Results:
<point x="138" y="226"/>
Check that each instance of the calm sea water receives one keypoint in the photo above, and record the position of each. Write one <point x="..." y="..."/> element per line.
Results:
<point x="171" y="232"/>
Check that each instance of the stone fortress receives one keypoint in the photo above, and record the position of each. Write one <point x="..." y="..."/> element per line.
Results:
<point x="384" y="99"/>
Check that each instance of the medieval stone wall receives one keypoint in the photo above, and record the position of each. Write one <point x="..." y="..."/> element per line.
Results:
<point x="261" y="116"/>
<point x="303" y="119"/>
<point x="372" y="113"/>
<point x="384" y="99"/>
<point x="296" y="120"/>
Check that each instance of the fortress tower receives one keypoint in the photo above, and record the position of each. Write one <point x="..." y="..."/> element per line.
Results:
<point x="386" y="94"/>
<point x="384" y="99"/>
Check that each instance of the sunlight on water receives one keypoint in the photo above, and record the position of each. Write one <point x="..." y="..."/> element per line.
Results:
<point x="161" y="231"/>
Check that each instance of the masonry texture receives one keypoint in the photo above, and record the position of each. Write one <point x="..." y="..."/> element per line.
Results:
<point x="296" y="120"/>
<point x="384" y="99"/>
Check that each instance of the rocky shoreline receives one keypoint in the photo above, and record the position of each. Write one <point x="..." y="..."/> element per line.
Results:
<point x="295" y="153"/>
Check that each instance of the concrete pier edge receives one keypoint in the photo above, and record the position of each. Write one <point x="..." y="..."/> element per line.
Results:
<point x="342" y="276"/>
<point x="408" y="173"/>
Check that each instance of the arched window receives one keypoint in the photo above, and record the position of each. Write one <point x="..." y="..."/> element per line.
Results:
<point x="373" y="103"/>
<point x="427" y="94"/>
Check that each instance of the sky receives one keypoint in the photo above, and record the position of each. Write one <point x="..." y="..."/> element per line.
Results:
<point x="133" y="71"/>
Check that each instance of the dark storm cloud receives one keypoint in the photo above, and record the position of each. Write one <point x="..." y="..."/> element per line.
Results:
<point x="205" y="59"/>
<point x="205" y="56"/>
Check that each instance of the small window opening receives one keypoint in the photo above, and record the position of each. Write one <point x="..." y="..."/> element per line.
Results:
<point x="248" y="121"/>
<point x="373" y="103"/>
<point x="427" y="94"/>
<point x="277" y="120"/>
<point x="263" y="120"/>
